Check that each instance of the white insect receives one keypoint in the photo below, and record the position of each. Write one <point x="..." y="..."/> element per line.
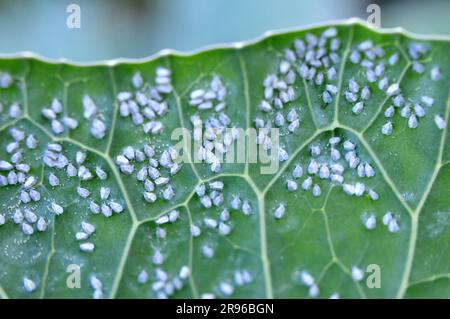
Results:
<point x="246" y="208"/>
<point x="357" y="273"/>
<point x="373" y="194"/>
<point x="195" y="230"/>
<point x="224" y="229"/>
<point x="158" y="258"/>
<point x="88" y="228"/>
<point x="83" y="192"/>
<point x="207" y="251"/>
<point x="393" y="89"/>
<point x="393" y="226"/>
<point x="142" y="277"/>
<point x="210" y="223"/>
<point x="370" y="222"/>
<point x="291" y="185"/>
<point x="306" y="279"/>
<point x="297" y="172"/>
<point x="29" y="285"/>
<point x="27" y="229"/>
<point x="57" y="209"/>
<point x="387" y="128"/>
<point x="313" y="291"/>
<point x="440" y="122"/>
<point x="279" y="211"/>
<point x="41" y="224"/>
<point x="226" y="288"/>
<point x="316" y="191"/>
<point x="87" y="247"/>
<point x="307" y="183"/>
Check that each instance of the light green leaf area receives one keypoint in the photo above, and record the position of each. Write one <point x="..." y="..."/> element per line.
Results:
<point x="179" y="246"/>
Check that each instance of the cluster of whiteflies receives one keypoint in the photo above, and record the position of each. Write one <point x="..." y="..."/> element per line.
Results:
<point x="87" y="230"/>
<point x="162" y="284"/>
<point x="6" y="81"/>
<point x="307" y="280"/>
<point x="263" y="138"/>
<point x="107" y="206"/>
<point x="28" y="221"/>
<point x="331" y="167"/>
<point x="150" y="170"/>
<point x="213" y="98"/>
<point x="54" y="158"/>
<point x="210" y="195"/>
<point x="146" y="106"/>
<point x="371" y="58"/>
<point x="357" y="96"/>
<point x="389" y="220"/>
<point x="215" y="134"/>
<point x="18" y="173"/>
<point x="313" y="59"/>
<point x="97" y="286"/>
<point x="368" y="56"/>
<point x="58" y="121"/>
<point x="94" y="117"/>
<point x="226" y="287"/>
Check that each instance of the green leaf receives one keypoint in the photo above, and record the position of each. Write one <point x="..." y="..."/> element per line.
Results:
<point x="324" y="236"/>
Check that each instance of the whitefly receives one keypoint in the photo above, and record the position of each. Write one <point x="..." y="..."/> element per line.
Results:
<point x="439" y="121"/>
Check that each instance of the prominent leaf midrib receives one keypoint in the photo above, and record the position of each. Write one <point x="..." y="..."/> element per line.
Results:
<point x="318" y="130"/>
<point x="335" y="260"/>
<point x="115" y="112"/>
<point x="48" y="260"/>
<point x="415" y="218"/>
<point x="183" y="124"/>
<point x="341" y="73"/>
<point x="386" y="99"/>
<point x="261" y="200"/>
<point x="191" y="256"/>
<point x="49" y="255"/>
<point x="244" y="75"/>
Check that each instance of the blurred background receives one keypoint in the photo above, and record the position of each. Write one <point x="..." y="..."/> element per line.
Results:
<point x="139" y="28"/>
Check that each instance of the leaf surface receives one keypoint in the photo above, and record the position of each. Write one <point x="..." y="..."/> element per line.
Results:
<point x="324" y="236"/>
